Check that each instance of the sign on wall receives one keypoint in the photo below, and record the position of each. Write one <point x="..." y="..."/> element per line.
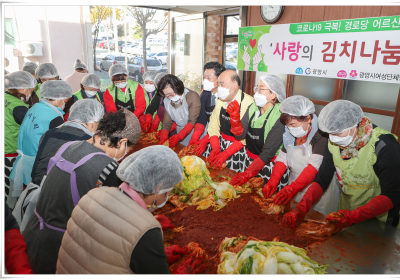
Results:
<point x="360" y="49"/>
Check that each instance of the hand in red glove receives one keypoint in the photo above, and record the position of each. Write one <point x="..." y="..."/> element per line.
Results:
<point x="234" y="113"/>
<point x="377" y="206"/>
<point x="293" y="218"/>
<point x="277" y="173"/>
<point x="215" y="148"/>
<point x="203" y="142"/>
<point x="164" y="221"/>
<point x="16" y="259"/>
<point x="223" y="157"/>
<point x="190" y="266"/>
<point x="181" y="135"/>
<point x="174" y="252"/>
<point x="173" y="127"/>
<point x="251" y="171"/>
<point x="147" y="122"/>
<point x="198" y="131"/>
<point x="163" y="136"/>
<point x="154" y="124"/>
<point x="289" y="192"/>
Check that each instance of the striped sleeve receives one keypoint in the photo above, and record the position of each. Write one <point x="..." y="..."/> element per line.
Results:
<point x="108" y="177"/>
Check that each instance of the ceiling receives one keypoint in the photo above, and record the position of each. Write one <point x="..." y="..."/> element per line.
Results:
<point x="191" y="9"/>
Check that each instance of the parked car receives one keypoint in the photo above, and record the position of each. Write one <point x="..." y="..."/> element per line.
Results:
<point x="139" y="50"/>
<point x="136" y="69"/>
<point x="101" y="44"/>
<point x="111" y="59"/>
<point x="231" y="55"/>
<point x="163" y="56"/>
<point x="130" y="48"/>
<point x="122" y="47"/>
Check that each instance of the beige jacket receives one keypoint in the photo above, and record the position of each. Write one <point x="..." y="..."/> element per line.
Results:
<point x="74" y="80"/>
<point x="102" y="232"/>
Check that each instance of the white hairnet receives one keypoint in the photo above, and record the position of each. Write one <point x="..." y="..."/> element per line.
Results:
<point x="158" y="77"/>
<point x="150" y="167"/>
<point x="30" y="67"/>
<point x="56" y="90"/>
<point x="297" y="105"/>
<point x="46" y="70"/>
<point x="275" y="84"/>
<point x="117" y="69"/>
<point x="149" y="76"/>
<point x="19" y="79"/>
<point x="79" y="64"/>
<point x="339" y="115"/>
<point x="86" y="111"/>
<point x="91" y="80"/>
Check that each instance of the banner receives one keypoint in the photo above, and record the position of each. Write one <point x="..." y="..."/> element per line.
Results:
<point x="365" y="49"/>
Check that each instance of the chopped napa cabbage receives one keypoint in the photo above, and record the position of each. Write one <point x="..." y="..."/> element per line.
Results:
<point x="284" y="268"/>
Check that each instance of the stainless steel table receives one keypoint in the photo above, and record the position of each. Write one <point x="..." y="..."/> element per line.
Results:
<point x="369" y="247"/>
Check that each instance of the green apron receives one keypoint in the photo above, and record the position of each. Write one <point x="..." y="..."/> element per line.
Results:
<point x="125" y="98"/>
<point x="37" y="91"/>
<point x="79" y="95"/>
<point x="11" y="128"/>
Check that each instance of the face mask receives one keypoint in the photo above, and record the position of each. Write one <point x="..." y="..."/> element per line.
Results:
<point x="298" y="131"/>
<point x="207" y="85"/>
<point x="342" y="141"/>
<point x="90" y="93"/>
<point x="63" y="106"/>
<point x="121" y="85"/>
<point x="175" y="99"/>
<point x="118" y="159"/>
<point x="260" y="99"/>
<point x="149" y="87"/>
<point x="153" y="207"/>
<point x="223" y="93"/>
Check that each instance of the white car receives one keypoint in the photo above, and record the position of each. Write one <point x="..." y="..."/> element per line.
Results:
<point x="162" y="56"/>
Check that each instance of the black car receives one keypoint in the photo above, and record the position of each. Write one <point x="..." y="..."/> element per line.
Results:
<point x="136" y="69"/>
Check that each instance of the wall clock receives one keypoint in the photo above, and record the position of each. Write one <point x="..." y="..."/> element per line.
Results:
<point x="271" y="14"/>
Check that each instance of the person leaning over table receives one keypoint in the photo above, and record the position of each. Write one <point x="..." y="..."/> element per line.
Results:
<point x="31" y="68"/>
<point x="90" y="89"/>
<point x="261" y="128"/>
<point x="208" y="98"/>
<point x="182" y="106"/>
<point x="366" y="159"/>
<point x="80" y="71"/>
<point x="302" y="152"/>
<point x="137" y="244"/>
<point x="219" y="128"/>
<point x="149" y="86"/>
<point x="44" y="72"/>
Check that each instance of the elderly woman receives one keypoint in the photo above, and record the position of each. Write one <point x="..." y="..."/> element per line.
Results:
<point x="366" y="159"/>
<point x="31" y="68"/>
<point x="19" y="87"/>
<point x="303" y="150"/>
<point x="137" y="246"/>
<point x="44" y="72"/>
<point x="90" y="89"/>
<point x="182" y="106"/>
<point x="77" y="168"/>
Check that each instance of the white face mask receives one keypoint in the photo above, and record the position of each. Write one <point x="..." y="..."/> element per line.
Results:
<point x="175" y="99"/>
<point x="342" y="141"/>
<point x="118" y="159"/>
<point x="260" y="99"/>
<point x="90" y="93"/>
<point x="153" y="207"/>
<point x="223" y="93"/>
<point x="207" y="85"/>
<point x="298" y="131"/>
<point x="121" y="85"/>
<point x="149" y="87"/>
<point x="63" y="106"/>
<point x="26" y="98"/>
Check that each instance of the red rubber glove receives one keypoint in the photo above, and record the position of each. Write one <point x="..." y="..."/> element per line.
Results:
<point x="174" y="140"/>
<point x="215" y="148"/>
<point x="154" y="124"/>
<point x="222" y="157"/>
<point x="234" y="113"/>
<point x="164" y="221"/>
<point x="163" y="136"/>
<point x="173" y="127"/>
<point x="148" y="119"/>
<point x="203" y="142"/>
<point x="277" y="173"/>
<point x="16" y="259"/>
<point x="174" y="252"/>
<point x="377" y="206"/>
<point x="190" y="266"/>
<point x="251" y="171"/>
<point x="295" y="217"/>
<point x="198" y="131"/>
<point x="305" y="178"/>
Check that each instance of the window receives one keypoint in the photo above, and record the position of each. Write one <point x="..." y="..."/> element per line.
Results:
<point x="230" y="44"/>
<point x="314" y="88"/>
<point x="153" y="62"/>
<point x="9" y="38"/>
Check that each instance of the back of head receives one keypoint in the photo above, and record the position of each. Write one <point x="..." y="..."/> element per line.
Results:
<point x="171" y="81"/>
<point x="275" y="84"/>
<point x="19" y="80"/>
<point x="56" y="90"/>
<point x="79" y="65"/>
<point x="149" y="76"/>
<point x="30" y="67"/>
<point x="297" y="105"/>
<point x="46" y="70"/>
<point x="91" y="80"/>
<point x="339" y="115"/>
<point x="117" y="69"/>
<point x="217" y="67"/>
<point x="86" y="111"/>
<point x="151" y="167"/>
<point x="158" y="77"/>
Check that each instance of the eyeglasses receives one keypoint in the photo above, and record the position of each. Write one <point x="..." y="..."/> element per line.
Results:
<point x="260" y="90"/>
<point x="167" y="94"/>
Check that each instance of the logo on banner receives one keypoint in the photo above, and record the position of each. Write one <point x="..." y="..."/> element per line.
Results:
<point x="353" y="74"/>
<point x="299" y="70"/>
<point x="308" y="71"/>
<point x="342" y="74"/>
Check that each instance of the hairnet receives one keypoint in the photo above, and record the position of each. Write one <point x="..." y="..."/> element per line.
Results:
<point x="297" y="106"/>
<point x="150" y="167"/>
<point x="19" y="79"/>
<point x="275" y="84"/>
<point x="30" y="67"/>
<point x="56" y="90"/>
<point x="91" y="80"/>
<point x="132" y="128"/>
<point x="86" y="111"/>
<point x="149" y="76"/>
<point x="339" y="116"/>
<point x="46" y="70"/>
<point x="117" y="69"/>
<point x="79" y="64"/>
<point x="158" y="77"/>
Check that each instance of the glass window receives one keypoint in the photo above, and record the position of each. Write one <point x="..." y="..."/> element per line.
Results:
<point x="371" y="94"/>
<point x="232" y="25"/>
<point x="313" y="87"/>
<point x="385" y="122"/>
<point x="153" y="62"/>
<point x="231" y="55"/>
<point x="9" y="38"/>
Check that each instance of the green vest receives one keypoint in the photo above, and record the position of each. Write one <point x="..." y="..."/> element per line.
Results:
<point x="359" y="181"/>
<point x="258" y="123"/>
<point x="79" y="95"/>
<point x="132" y="85"/>
<point x="11" y="128"/>
<point x="37" y="91"/>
